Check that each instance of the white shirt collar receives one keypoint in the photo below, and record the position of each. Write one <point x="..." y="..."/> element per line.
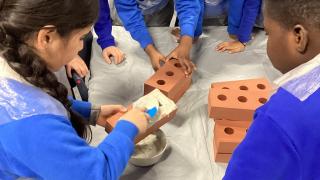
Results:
<point x="298" y="71"/>
<point x="302" y="81"/>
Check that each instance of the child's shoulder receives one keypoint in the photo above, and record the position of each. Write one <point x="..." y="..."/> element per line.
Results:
<point x="293" y="115"/>
<point x="284" y="103"/>
<point x="19" y="100"/>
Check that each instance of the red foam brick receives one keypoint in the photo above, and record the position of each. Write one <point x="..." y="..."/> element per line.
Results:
<point x="226" y="122"/>
<point x="112" y="121"/>
<point x="170" y="80"/>
<point x="227" y="138"/>
<point x="235" y="104"/>
<point x="219" y="145"/>
<point x="260" y="84"/>
<point x="221" y="157"/>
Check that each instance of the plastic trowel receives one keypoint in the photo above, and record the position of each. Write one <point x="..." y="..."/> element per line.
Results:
<point x="152" y="112"/>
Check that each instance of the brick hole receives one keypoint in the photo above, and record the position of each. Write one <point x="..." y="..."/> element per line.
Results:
<point x="263" y="100"/>
<point x="178" y="65"/>
<point x="246" y="130"/>
<point x="244" y="88"/>
<point x="225" y="88"/>
<point x="261" y="86"/>
<point x="169" y="73"/>
<point x="161" y="82"/>
<point x="242" y="99"/>
<point x="228" y="130"/>
<point x="222" y="97"/>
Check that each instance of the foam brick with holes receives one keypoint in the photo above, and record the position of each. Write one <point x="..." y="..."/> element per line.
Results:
<point x="237" y="100"/>
<point x="170" y="80"/>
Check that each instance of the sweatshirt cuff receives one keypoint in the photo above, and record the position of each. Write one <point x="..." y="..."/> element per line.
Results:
<point x="244" y="38"/>
<point x="120" y="141"/>
<point x="232" y="30"/>
<point x="82" y="107"/>
<point x="127" y="128"/>
<point x="144" y="39"/>
<point x="187" y="30"/>
<point x="104" y="43"/>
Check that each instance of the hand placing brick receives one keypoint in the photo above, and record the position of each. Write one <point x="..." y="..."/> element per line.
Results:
<point x="166" y="111"/>
<point x="170" y="79"/>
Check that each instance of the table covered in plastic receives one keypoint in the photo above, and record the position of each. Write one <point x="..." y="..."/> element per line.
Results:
<point x="190" y="133"/>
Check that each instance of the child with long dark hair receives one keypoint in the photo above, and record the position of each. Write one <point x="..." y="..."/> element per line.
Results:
<point x="42" y="132"/>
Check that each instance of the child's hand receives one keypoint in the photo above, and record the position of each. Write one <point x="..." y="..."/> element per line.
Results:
<point x="78" y="65"/>
<point x="155" y="57"/>
<point x="231" y="47"/>
<point x="182" y="53"/>
<point x="109" y="110"/>
<point x="118" y="55"/>
<point x="176" y="33"/>
<point x="138" y="117"/>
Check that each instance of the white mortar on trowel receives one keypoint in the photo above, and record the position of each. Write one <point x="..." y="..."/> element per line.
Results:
<point x="149" y="150"/>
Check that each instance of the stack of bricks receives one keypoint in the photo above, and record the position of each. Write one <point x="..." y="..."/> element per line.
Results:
<point x="171" y="80"/>
<point x="232" y="105"/>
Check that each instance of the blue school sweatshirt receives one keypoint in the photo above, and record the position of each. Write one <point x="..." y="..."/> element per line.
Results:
<point x="37" y="139"/>
<point x="103" y="26"/>
<point x="283" y="143"/>
<point x="132" y="19"/>
<point x="242" y="16"/>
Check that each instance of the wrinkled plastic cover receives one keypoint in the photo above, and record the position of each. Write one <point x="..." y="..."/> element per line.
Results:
<point x="19" y="100"/>
<point x="190" y="133"/>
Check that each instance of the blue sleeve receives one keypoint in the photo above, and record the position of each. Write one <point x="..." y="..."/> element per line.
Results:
<point x="198" y="30"/>
<point x="188" y="14"/>
<point x="48" y="146"/>
<point x="103" y="26"/>
<point x="82" y="107"/>
<point x="133" y="21"/>
<point x="250" y="13"/>
<point x="265" y="153"/>
<point x="234" y="15"/>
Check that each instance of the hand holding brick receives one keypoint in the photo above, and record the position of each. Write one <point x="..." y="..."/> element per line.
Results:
<point x="166" y="112"/>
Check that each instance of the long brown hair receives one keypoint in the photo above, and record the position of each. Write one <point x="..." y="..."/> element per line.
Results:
<point x="19" y="19"/>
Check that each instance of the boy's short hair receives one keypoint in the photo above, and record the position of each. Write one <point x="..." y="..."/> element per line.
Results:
<point x="291" y="12"/>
